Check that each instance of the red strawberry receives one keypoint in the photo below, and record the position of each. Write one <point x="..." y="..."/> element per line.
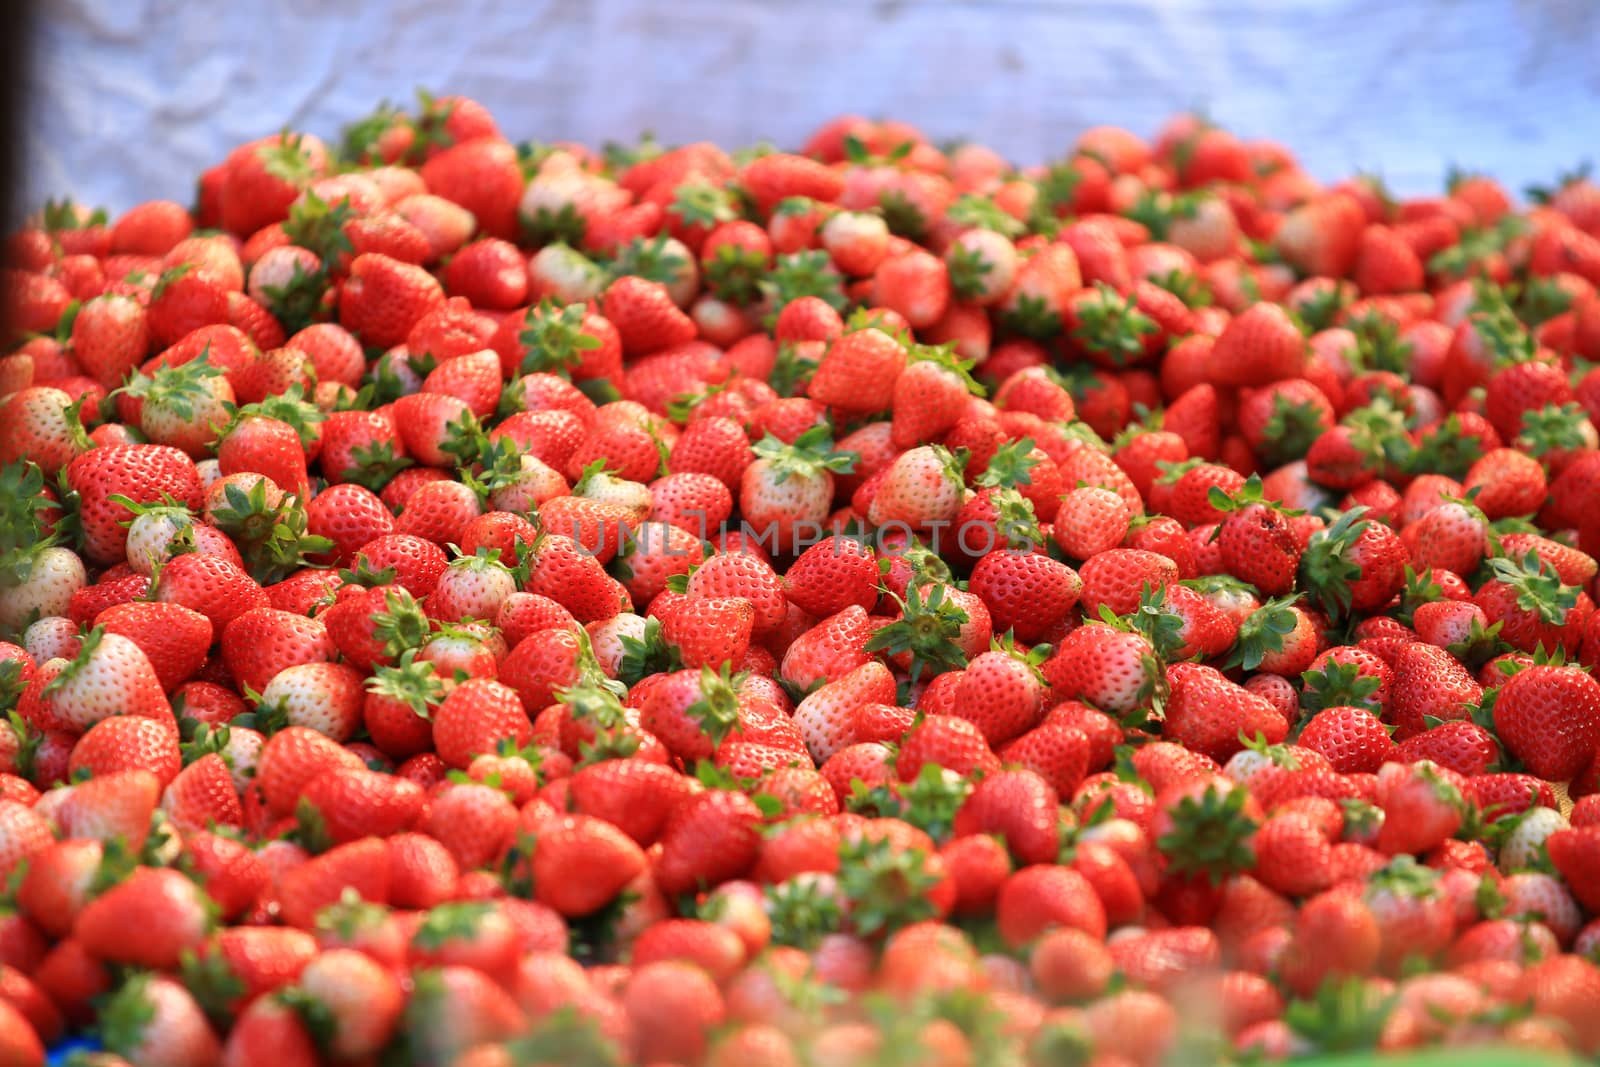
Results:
<point x="581" y="863"/>
<point x="1352" y="739"/>
<point x="1549" y="718"/>
<point x="1209" y="714"/>
<point x="1042" y="897"/>
<point x="645" y="316"/>
<point x="141" y="473"/>
<point x="1257" y="347"/>
<point x="384" y="298"/>
<point x="150" y="920"/>
<point x="1021" y="807"/>
<point x="173" y="638"/>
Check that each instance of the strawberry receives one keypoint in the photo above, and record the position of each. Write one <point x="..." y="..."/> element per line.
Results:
<point x="858" y="371"/>
<point x="828" y="716"/>
<point x="453" y="1009"/>
<point x="776" y="177"/>
<point x="1112" y="669"/>
<point x="173" y="638"/>
<point x="1002" y="694"/>
<point x="1423" y="805"/>
<point x="1025" y="592"/>
<point x="150" y="920"/>
<point x="110" y="675"/>
<point x="1207" y="713"/>
<point x="361" y="999"/>
<point x="110" y="337"/>
<point x="105" y="478"/>
<point x="580" y="864"/>
<point x="1429" y="682"/>
<point x="1018" y="805"/>
<point x="922" y="489"/>
<point x="269" y="1028"/>
<point x="1043" y="897"/>
<point x="1259" y="346"/>
<point x="789" y="487"/>
<point x="645" y="316"/>
<point x="1352" y="739"/>
<point x="708" y="839"/>
<point x="154" y="1019"/>
<point x="475" y="717"/>
<point x="384" y="298"/>
<point x="1548" y="718"/>
<point x="127" y="743"/>
<point x="360" y="867"/>
<point x="475" y="823"/>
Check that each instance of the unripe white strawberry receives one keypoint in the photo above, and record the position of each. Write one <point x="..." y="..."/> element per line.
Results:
<point x="856" y="240"/>
<point x="326" y="697"/>
<point x="472" y="587"/>
<point x="52" y="637"/>
<point x="151" y="534"/>
<point x="52" y="575"/>
<point x="274" y="273"/>
<point x="983" y="264"/>
<point x="243" y="751"/>
<point x="446" y="225"/>
<point x="1520" y="851"/>
<point x="564" y="274"/>
<point x="110" y="676"/>
<point x="606" y="639"/>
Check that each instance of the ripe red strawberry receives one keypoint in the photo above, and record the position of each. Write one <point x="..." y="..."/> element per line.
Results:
<point x="1352" y="739"/>
<point x="1002" y="694"/>
<point x="150" y="920"/>
<point x="709" y="839"/>
<point x="1116" y="579"/>
<point x="1429" y="682"/>
<point x="1462" y="746"/>
<point x="776" y="177"/>
<point x="581" y="863"/>
<point x="1322" y="237"/>
<point x="1208" y="714"/>
<point x="1018" y="805"/>
<point x="1549" y="718"/>
<point x="1257" y="347"/>
<point x="184" y="300"/>
<point x="1027" y="593"/>
<point x="645" y="316"/>
<point x="384" y="298"/>
<point x="127" y="743"/>
<point x="1532" y="605"/>
<point x="173" y="638"/>
<point x="1423" y="804"/>
<point x="110" y="337"/>
<point x="349" y="804"/>
<point x="1042" y="897"/>
<point x="858" y="371"/>
<point x="141" y="473"/>
<point x="360" y="867"/>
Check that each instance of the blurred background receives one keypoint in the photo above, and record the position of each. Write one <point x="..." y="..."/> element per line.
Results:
<point x="130" y="99"/>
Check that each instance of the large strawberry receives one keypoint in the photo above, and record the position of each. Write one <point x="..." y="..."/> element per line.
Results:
<point x="105" y="478"/>
<point x="1549" y="718"/>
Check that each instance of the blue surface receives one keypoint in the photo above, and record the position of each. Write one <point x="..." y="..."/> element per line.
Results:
<point x="59" y="1054"/>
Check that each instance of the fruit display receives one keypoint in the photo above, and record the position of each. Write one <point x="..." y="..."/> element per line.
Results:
<point x="468" y="603"/>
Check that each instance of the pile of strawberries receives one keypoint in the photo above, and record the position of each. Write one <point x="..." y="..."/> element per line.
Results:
<point x="487" y="604"/>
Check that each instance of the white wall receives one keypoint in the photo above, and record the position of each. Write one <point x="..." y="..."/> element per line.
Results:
<point x="134" y="97"/>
